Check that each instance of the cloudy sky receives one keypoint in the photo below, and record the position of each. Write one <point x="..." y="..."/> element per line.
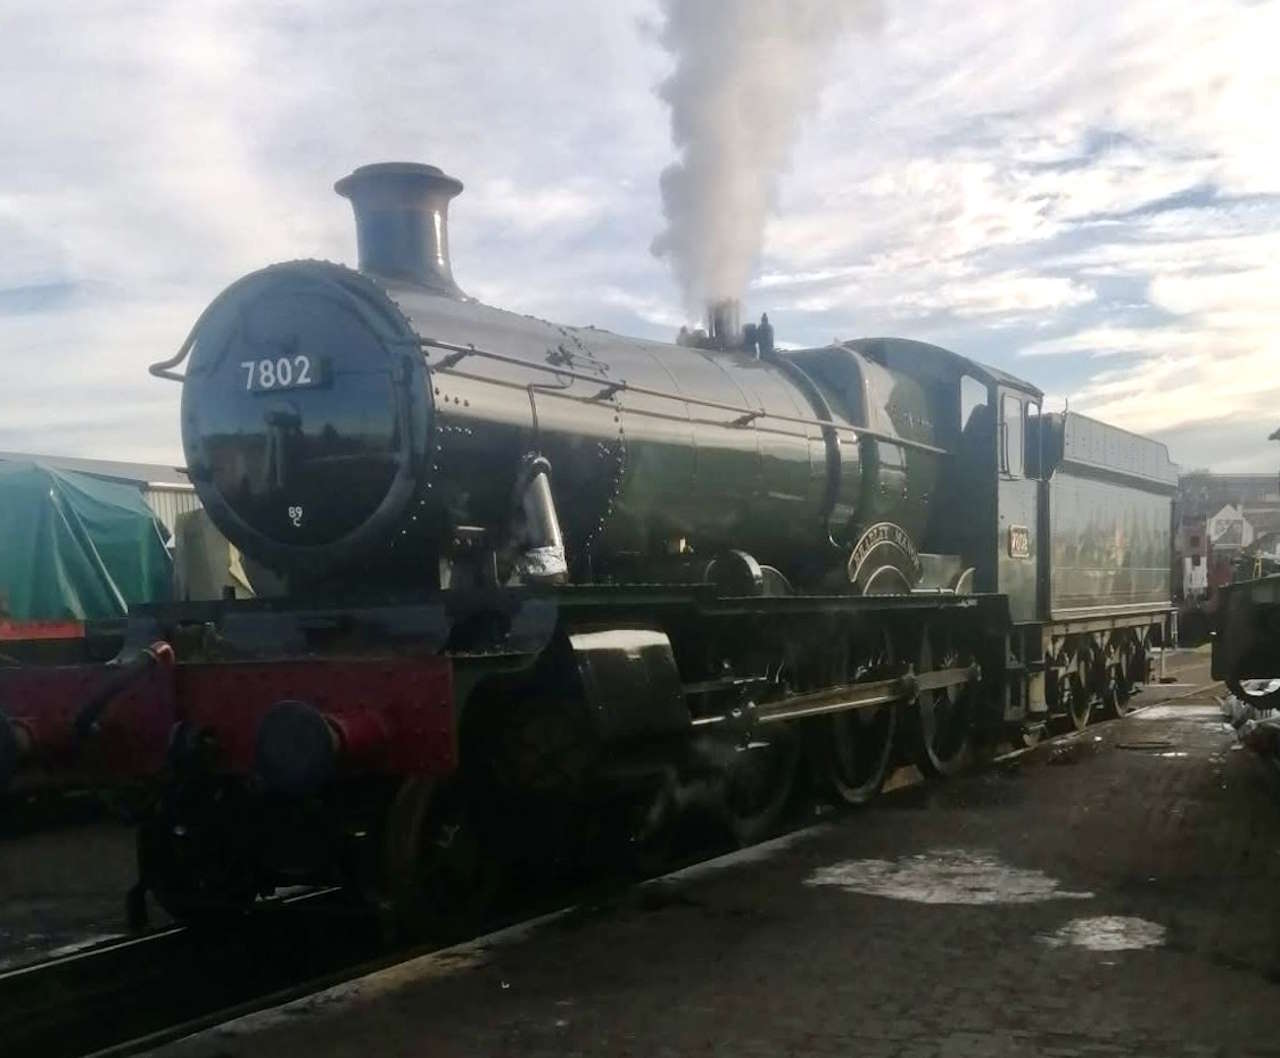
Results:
<point x="1085" y="194"/>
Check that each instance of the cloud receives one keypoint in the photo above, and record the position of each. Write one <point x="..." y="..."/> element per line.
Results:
<point x="1087" y="194"/>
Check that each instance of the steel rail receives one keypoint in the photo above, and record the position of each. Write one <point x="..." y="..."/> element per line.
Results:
<point x="107" y="993"/>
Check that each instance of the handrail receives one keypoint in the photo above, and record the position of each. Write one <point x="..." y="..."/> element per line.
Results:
<point x="745" y="415"/>
<point x="164" y="368"/>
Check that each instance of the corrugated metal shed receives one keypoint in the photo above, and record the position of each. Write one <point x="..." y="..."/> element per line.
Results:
<point x="169" y="501"/>
<point x="166" y="489"/>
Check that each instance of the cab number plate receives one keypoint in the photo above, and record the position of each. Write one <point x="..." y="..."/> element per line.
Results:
<point x="1019" y="541"/>
<point x="274" y="373"/>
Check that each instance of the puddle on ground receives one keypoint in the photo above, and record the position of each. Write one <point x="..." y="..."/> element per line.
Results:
<point x="1177" y="712"/>
<point x="1107" y="933"/>
<point x="946" y="876"/>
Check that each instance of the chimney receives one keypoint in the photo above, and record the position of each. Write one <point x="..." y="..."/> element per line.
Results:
<point x="724" y="327"/>
<point x="402" y="222"/>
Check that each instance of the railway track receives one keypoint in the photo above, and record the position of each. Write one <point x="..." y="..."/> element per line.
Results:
<point x="123" y="997"/>
<point x="125" y="990"/>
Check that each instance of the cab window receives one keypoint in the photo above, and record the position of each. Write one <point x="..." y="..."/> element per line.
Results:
<point x="973" y="401"/>
<point x="1012" y="432"/>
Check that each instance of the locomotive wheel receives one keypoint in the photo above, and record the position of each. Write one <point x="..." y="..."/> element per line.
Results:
<point x="758" y="785"/>
<point x="856" y="747"/>
<point x="648" y="824"/>
<point x="440" y="875"/>
<point x="858" y="751"/>
<point x="195" y="855"/>
<point x="943" y="718"/>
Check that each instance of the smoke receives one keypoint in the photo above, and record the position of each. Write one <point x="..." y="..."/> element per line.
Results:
<point x="747" y="73"/>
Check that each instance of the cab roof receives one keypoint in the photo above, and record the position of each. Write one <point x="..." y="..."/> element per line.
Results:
<point x="910" y="356"/>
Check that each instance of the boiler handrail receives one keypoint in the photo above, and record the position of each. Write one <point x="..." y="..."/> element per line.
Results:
<point x="746" y="415"/>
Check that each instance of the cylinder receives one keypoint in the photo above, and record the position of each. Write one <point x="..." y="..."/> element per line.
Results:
<point x="296" y="749"/>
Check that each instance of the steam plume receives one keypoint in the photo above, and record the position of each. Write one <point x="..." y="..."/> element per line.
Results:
<point x="747" y="72"/>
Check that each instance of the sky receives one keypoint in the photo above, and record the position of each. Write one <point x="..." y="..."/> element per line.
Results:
<point x="1086" y="195"/>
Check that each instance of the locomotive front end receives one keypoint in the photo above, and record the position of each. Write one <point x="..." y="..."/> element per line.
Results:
<point x="306" y="418"/>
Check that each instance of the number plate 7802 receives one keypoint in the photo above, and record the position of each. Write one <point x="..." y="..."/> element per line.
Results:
<point x="274" y="373"/>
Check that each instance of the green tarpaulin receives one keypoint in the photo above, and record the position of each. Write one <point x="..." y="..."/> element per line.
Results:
<point x="74" y="546"/>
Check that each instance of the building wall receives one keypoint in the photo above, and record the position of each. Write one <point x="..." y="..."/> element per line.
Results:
<point x="1195" y="576"/>
<point x="170" y="501"/>
<point x="1229" y="529"/>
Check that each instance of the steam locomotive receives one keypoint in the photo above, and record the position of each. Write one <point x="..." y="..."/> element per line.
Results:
<point x="549" y="586"/>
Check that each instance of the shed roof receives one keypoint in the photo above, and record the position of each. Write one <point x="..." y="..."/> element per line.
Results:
<point x="110" y="469"/>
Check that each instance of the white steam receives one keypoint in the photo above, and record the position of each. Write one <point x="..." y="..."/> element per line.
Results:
<point x="747" y="72"/>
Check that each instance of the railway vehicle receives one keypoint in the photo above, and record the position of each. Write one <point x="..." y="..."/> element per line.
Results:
<point x="547" y="587"/>
<point x="1246" y="649"/>
<point x="1246" y="657"/>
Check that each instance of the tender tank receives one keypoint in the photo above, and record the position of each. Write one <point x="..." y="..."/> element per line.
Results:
<point x="336" y="420"/>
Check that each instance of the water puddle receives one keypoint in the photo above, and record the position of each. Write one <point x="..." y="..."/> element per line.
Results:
<point x="945" y="876"/>
<point x="1177" y="712"/>
<point x="1107" y="933"/>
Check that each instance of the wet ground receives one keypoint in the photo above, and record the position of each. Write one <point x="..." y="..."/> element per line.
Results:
<point x="63" y="876"/>
<point x="1113" y="895"/>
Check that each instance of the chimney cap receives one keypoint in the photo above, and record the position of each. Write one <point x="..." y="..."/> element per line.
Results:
<point x="408" y="172"/>
<point x="402" y="222"/>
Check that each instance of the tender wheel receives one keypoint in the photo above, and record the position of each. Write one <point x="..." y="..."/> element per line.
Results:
<point x="441" y="876"/>
<point x="1071" y="699"/>
<point x="943" y="718"/>
<point x="1106" y="683"/>
<point x="1137" y="661"/>
<point x="1079" y="701"/>
<point x="758" y="784"/>
<point x="1118" y="689"/>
